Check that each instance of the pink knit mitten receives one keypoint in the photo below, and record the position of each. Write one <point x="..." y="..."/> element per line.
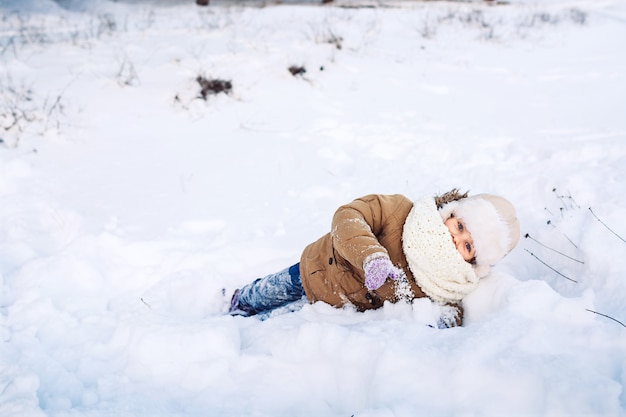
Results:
<point x="377" y="271"/>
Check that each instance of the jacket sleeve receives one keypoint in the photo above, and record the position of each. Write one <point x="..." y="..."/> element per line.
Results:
<point x="357" y="226"/>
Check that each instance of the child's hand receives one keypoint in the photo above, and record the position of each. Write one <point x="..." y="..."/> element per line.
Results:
<point x="377" y="271"/>
<point x="450" y="316"/>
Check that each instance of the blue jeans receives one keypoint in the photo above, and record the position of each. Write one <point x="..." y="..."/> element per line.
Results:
<point x="273" y="291"/>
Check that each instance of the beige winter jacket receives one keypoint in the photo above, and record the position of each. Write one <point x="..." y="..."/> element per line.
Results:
<point x="332" y="267"/>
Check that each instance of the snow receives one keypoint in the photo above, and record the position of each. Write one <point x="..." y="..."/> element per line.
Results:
<point x="127" y="204"/>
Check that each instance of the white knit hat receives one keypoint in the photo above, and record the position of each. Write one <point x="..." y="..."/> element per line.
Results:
<point x="491" y="221"/>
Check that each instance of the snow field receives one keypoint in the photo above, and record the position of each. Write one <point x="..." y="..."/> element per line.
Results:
<point x="125" y="214"/>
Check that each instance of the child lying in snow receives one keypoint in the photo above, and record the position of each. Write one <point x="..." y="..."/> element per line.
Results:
<point x="387" y="248"/>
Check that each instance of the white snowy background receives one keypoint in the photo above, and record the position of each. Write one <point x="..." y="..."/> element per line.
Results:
<point x="127" y="203"/>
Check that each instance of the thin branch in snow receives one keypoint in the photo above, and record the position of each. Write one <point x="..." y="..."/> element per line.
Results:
<point x="573" y="201"/>
<point x="143" y="301"/>
<point x="570" y="240"/>
<point x="564" y="276"/>
<point x="569" y="197"/>
<point x="604" y="224"/>
<point x="528" y="236"/>
<point x="560" y="198"/>
<point x="608" y="317"/>
<point x="10" y="43"/>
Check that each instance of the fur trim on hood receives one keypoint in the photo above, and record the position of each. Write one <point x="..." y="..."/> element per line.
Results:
<point x="491" y="221"/>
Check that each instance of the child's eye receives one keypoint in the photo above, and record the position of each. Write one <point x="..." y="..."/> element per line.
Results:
<point x="468" y="247"/>
<point x="460" y="226"/>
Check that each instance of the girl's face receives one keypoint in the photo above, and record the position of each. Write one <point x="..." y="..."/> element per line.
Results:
<point x="461" y="237"/>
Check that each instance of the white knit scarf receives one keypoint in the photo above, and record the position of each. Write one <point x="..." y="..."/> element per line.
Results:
<point x="438" y="268"/>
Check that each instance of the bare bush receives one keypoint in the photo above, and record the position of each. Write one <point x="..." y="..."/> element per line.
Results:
<point x="578" y="16"/>
<point x="17" y="110"/>
<point x="213" y="86"/>
<point x="22" y="111"/>
<point x="127" y="75"/>
<point x="426" y="28"/>
<point x="103" y="24"/>
<point x="327" y="35"/>
<point x="493" y="26"/>
<point x="296" y="70"/>
<point x="539" y="19"/>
